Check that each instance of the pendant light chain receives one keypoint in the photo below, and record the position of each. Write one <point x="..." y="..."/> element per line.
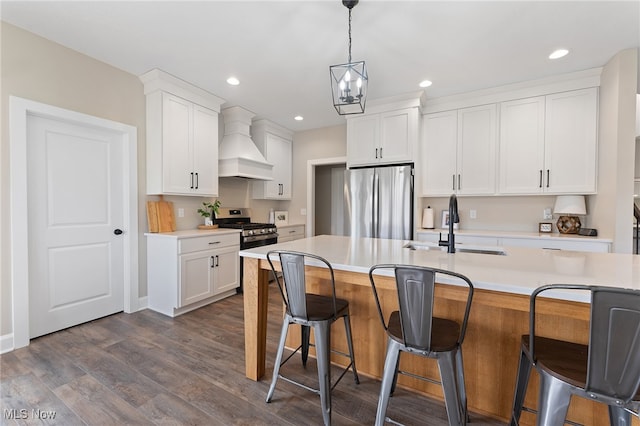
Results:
<point x="349" y="61"/>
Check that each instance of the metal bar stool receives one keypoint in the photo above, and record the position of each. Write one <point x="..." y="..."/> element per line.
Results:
<point x="310" y="311"/>
<point x="606" y="370"/>
<point x="414" y="329"/>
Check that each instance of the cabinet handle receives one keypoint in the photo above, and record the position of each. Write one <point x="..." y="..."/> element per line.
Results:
<point x="217" y="260"/>
<point x="197" y="181"/>
<point x="540" y="178"/>
<point x="459" y="182"/>
<point x="380" y="152"/>
<point x="214" y="242"/>
<point x="547" y="178"/>
<point x="376" y="152"/>
<point x="191" y="180"/>
<point x="292" y="232"/>
<point x="453" y="182"/>
<point x="213" y="264"/>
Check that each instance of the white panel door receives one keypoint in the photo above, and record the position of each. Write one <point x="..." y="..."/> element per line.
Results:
<point x="75" y="193"/>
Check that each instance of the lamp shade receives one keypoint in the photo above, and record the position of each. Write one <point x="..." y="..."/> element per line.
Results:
<point x="570" y="205"/>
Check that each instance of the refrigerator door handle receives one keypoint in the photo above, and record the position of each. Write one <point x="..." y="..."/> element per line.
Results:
<point x="375" y="232"/>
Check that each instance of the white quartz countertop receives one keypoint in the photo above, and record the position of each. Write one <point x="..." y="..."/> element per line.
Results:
<point x="193" y="233"/>
<point x="512" y="234"/>
<point x="520" y="271"/>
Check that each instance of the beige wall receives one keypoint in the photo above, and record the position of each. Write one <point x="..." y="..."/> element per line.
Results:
<point x="316" y="144"/>
<point x="611" y="209"/>
<point x="37" y="69"/>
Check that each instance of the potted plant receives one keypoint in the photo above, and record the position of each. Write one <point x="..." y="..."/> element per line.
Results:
<point x="209" y="211"/>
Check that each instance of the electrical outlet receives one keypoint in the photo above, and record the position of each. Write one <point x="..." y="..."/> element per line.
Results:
<point x="180" y="212"/>
<point x="473" y="214"/>
<point x="546" y="214"/>
<point x="303" y="212"/>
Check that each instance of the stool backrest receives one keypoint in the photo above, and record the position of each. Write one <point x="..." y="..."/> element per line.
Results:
<point x="613" y="370"/>
<point x="294" y="289"/>
<point x="416" y="293"/>
<point x="614" y="347"/>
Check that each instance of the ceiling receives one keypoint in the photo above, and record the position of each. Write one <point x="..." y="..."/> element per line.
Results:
<point x="281" y="50"/>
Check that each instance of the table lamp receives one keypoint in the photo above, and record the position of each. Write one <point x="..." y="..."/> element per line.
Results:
<point x="569" y="207"/>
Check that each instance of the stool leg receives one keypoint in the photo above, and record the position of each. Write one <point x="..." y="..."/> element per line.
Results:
<point x="276" y="365"/>
<point x="447" y="366"/>
<point x="347" y="327"/>
<point x="522" y="381"/>
<point x="322" y="333"/>
<point x="304" y="339"/>
<point x="388" y="375"/>
<point x="618" y="416"/>
<point x="553" y="401"/>
<point x="395" y="375"/>
<point x="462" y="389"/>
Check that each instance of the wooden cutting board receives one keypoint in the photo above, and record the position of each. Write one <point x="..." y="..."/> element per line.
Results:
<point x="160" y="216"/>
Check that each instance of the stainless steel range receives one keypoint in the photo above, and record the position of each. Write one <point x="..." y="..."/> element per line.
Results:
<point x="253" y="234"/>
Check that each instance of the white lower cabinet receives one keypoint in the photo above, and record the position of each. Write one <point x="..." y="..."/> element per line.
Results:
<point x="185" y="272"/>
<point x="290" y="233"/>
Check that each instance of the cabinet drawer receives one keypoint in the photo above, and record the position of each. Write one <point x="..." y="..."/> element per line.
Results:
<point x="290" y="233"/>
<point x="188" y="245"/>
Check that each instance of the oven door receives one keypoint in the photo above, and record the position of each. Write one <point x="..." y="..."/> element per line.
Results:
<point x="253" y="242"/>
<point x="258" y="241"/>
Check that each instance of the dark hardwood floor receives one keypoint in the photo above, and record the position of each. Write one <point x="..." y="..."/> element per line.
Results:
<point x="146" y="368"/>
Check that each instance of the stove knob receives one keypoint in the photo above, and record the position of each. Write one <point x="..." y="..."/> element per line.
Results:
<point x="250" y="232"/>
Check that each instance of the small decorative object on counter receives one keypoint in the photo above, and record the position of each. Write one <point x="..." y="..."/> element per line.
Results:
<point x="272" y="216"/>
<point x="209" y="211"/>
<point x="569" y="207"/>
<point x="545" y="227"/>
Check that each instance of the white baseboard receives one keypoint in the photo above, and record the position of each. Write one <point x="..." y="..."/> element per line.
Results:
<point x="6" y="343"/>
<point x="143" y="303"/>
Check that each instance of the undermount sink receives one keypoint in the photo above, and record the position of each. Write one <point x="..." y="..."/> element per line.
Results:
<point x="498" y="251"/>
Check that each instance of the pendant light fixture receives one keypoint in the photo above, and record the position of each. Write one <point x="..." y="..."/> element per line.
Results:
<point x="349" y="81"/>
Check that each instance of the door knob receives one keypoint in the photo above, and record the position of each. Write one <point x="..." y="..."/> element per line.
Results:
<point x="118" y="231"/>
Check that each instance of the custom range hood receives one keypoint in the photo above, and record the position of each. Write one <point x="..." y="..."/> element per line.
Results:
<point x="238" y="156"/>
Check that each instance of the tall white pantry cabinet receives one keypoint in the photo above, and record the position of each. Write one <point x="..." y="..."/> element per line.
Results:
<point x="182" y="137"/>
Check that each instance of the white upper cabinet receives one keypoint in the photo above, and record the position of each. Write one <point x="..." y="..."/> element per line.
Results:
<point x="182" y="137"/>
<point x="522" y="146"/>
<point x="459" y="152"/>
<point x="548" y="144"/>
<point x="275" y="143"/>
<point x="382" y="138"/>
<point x="571" y="146"/>
<point x="440" y="145"/>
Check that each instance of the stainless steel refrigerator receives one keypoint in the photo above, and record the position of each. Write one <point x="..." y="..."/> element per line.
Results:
<point x="378" y="202"/>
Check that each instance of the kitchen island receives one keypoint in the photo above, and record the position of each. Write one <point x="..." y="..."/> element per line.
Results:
<point x="499" y="314"/>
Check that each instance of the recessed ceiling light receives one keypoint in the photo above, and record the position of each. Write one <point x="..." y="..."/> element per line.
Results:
<point x="558" y="53"/>
<point x="233" y="81"/>
<point x="425" y="83"/>
<point x="298" y="118"/>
